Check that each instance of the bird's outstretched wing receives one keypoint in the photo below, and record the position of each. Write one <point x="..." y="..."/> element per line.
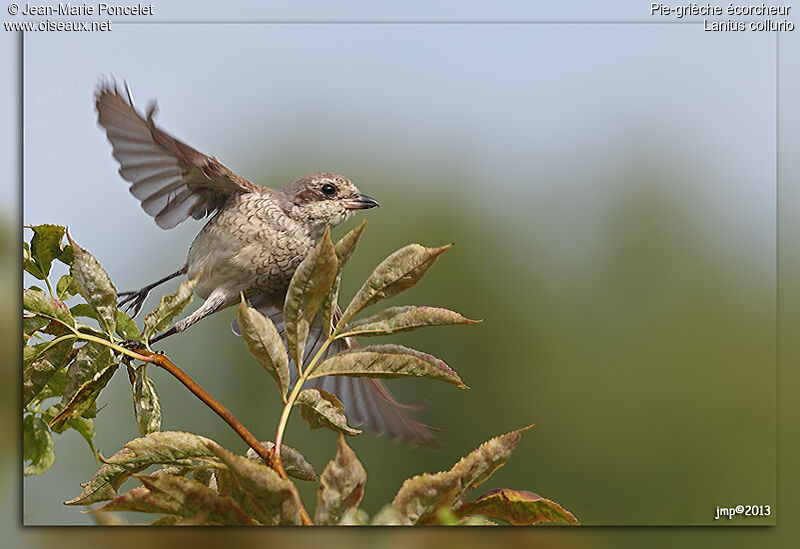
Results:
<point x="172" y="180"/>
<point x="367" y="401"/>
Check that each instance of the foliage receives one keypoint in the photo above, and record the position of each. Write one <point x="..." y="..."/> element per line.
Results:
<point x="72" y="353"/>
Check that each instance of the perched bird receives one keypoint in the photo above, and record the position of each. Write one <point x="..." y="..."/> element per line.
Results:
<point x="254" y="241"/>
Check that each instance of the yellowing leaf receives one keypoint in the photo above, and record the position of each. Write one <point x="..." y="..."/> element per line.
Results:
<point x="341" y="485"/>
<point x="310" y="283"/>
<point x="400" y="319"/>
<point x="320" y="408"/>
<point x="398" y="272"/>
<point x="518" y="507"/>
<point x="169" y="307"/>
<point x="387" y="361"/>
<point x="265" y="343"/>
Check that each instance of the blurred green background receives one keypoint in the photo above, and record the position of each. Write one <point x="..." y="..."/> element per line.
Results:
<point x="621" y="255"/>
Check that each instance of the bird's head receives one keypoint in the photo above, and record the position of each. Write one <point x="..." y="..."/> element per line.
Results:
<point x="323" y="198"/>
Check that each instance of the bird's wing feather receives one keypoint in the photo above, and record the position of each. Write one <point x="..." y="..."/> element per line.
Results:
<point x="172" y="180"/>
<point x="367" y="401"/>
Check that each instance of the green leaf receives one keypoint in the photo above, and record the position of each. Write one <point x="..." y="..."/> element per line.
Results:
<point x="344" y="249"/>
<point x="32" y="324"/>
<point x="41" y="363"/>
<point x="169" y="307"/>
<point x="398" y="272"/>
<point x="84" y="310"/>
<point x="39" y="304"/>
<point x="294" y="463"/>
<point x="45" y="247"/>
<point x="265" y="343"/>
<point x="160" y="447"/>
<point x="146" y="406"/>
<point x="420" y="497"/>
<point x="320" y="408"/>
<point x="67" y="257"/>
<point x="310" y="283"/>
<point x="387" y="361"/>
<point x="94" y="284"/>
<point x="29" y="265"/>
<point x="37" y="445"/>
<point x="518" y="507"/>
<point x="277" y="496"/>
<point x="126" y="327"/>
<point x="399" y="319"/>
<point x="84" y="426"/>
<point x="183" y="497"/>
<point x="54" y="387"/>
<point x="84" y="397"/>
<point x="341" y="485"/>
<point x="65" y="288"/>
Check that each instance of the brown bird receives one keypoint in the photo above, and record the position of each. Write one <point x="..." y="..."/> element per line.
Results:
<point x="254" y="241"/>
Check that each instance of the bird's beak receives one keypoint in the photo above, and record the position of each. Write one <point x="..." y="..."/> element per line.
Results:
<point x="361" y="202"/>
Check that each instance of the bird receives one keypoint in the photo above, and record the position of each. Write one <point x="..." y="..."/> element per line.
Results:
<point x="252" y="243"/>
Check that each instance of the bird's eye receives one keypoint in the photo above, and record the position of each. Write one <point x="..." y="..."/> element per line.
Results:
<point x="328" y="189"/>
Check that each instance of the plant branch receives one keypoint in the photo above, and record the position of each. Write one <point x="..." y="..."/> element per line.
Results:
<point x="273" y="460"/>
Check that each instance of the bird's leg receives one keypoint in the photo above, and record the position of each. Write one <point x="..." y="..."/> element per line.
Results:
<point x="135" y="299"/>
<point x="212" y="304"/>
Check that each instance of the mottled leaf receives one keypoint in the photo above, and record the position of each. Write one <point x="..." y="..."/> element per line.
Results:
<point x="265" y="343"/>
<point x="344" y="249"/>
<point x="126" y="327"/>
<point x="169" y="307"/>
<point x="354" y="517"/>
<point x="94" y="284"/>
<point x="420" y="497"/>
<point x="66" y="288"/>
<point x="39" y="304"/>
<point x="37" y="445"/>
<point x="45" y="247"/>
<point x="398" y="319"/>
<point x="180" y="496"/>
<point x="294" y="463"/>
<point x="518" y="507"/>
<point x="41" y="363"/>
<point x="341" y="485"/>
<point x="310" y="283"/>
<point x="277" y="496"/>
<point x="160" y="447"/>
<point x="389" y="516"/>
<point x="89" y="360"/>
<point x="85" y="396"/>
<point x="398" y="272"/>
<point x="320" y="408"/>
<point x="387" y="361"/>
<point x="146" y="406"/>
<point x="477" y="466"/>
